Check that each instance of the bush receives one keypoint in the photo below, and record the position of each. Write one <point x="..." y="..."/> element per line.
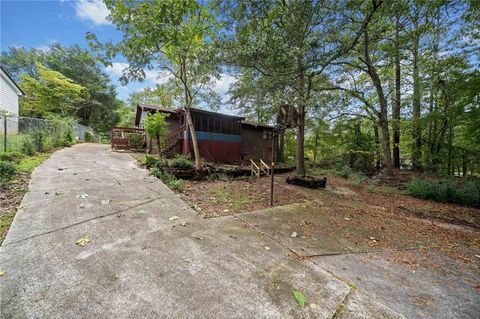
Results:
<point x="39" y="138"/>
<point x="151" y="161"/>
<point x="11" y="156"/>
<point x="135" y="141"/>
<point x="7" y="170"/>
<point x="88" y="136"/>
<point x="181" y="162"/>
<point x="446" y="190"/>
<point x="344" y="172"/>
<point x="28" y="148"/>
<point x="170" y="180"/>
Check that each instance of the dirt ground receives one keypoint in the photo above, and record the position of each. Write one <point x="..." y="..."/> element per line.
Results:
<point x="360" y="217"/>
<point x="230" y="196"/>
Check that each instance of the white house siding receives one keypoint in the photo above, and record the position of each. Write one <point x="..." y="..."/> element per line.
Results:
<point x="8" y="103"/>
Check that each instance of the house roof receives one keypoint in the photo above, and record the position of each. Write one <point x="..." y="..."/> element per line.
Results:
<point x="147" y="107"/>
<point x="12" y="82"/>
<point x="248" y="123"/>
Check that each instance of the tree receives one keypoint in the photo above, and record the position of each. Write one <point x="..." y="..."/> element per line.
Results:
<point x="99" y="109"/>
<point x="293" y="43"/>
<point x="156" y="125"/>
<point x="174" y="36"/>
<point x="52" y="93"/>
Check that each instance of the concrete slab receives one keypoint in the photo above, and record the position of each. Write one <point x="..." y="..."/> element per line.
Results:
<point x="445" y="288"/>
<point x="143" y="261"/>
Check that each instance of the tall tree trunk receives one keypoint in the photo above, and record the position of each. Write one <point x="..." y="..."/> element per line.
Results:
<point x="300" y="154"/>
<point x="315" y="147"/>
<point x="383" y="114"/>
<point x="416" y="106"/>
<point x="377" y="146"/>
<point x="397" y="104"/>
<point x="449" y="158"/>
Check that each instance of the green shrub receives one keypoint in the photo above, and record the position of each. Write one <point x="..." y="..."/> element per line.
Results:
<point x="359" y="178"/>
<point x="39" y="138"/>
<point x="7" y="171"/>
<point x="88" y="136"/>
<point x="344" y="172"/>
<point x="135" y="141"/>
<point x="28" y="148"/>
<point x="11" y="156"/>
<point x="446" y="190"/>
<point x="170" y="180"/>
<point x="181" y="162"/>
<point x="151" y="161"/>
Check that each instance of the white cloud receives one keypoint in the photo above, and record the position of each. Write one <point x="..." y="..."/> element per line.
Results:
<point x="152" y="76"/>
<point x="92" y="10"/>
<point x="222" y="84"/>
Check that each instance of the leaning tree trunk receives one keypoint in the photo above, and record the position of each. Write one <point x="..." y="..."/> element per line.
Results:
<point x="383" y="114"/>
<point x="188" y="116"/>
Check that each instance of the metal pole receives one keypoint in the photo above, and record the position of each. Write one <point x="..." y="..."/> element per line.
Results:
<point x="272" y="180"/>
<point x="5" y="133"/>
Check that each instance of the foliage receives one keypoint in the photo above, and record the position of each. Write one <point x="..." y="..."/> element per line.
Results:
<point x="7" y="171"/>
<point x="52" y="93"/>
<point x="135" y="140"/>
<point x="88" y="137"/>
<point x="181" y="162"/>
<point x="27" y="147"/>
<point x="446" y="190"/>
<point x="11" y="156"/>
<point x="39" y="138"/>
<point x="151" y="161"/>
<point x="28" y="164"/>
<point x="156" y="126"/>
<point x="170" y="180"/>
<point x="99" y="107"/>
<point x="299" y="297"/>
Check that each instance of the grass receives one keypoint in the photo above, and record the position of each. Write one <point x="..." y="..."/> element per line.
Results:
<point x="28" y="164"/>
<point x="14" y="142"/>
<point x="236" y="200"/>
<point x="6" y="220"/>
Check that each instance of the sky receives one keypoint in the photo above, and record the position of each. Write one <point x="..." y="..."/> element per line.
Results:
<point x="39" y="23"/>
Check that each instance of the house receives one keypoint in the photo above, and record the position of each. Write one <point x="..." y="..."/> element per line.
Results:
<point x="221" y="137"/>
<point x="9" y="93"/>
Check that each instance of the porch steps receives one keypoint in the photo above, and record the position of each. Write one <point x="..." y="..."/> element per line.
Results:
<point x="261" y="169"/>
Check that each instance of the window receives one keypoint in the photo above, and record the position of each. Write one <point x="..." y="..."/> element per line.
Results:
<point x="267" y="134"/>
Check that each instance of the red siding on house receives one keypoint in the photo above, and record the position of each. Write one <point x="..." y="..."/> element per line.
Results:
<point x="221" y="152"/>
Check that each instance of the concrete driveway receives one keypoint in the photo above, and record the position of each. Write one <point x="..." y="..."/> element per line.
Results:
<point x="148" y="254"/>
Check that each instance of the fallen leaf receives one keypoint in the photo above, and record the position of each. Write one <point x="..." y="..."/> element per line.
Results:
<point x="142" y="211"/>
<point x="267" y="248"/>
<point x="58" y="193"/>
<point x="105" y="201"/>
<point x="299" y="297"/>
<point x="82" y="241"/>
<point x="294" y="234"/>
<point x="183" y="224"/>
<point x="174" y="218"/>
<point x="2" y="273"/>
<point x="82" y="196"/>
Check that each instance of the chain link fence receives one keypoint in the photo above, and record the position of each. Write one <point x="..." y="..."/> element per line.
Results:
<point x="29" y="135"/>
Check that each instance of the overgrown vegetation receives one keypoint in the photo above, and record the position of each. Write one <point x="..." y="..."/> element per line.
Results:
<point x="449" y="190"/>
<point x="7" y="171"/>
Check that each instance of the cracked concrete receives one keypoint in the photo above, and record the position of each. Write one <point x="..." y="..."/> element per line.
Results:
<point x="140" y="262"/>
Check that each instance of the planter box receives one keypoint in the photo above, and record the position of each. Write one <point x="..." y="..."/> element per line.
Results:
<point x="307" y="181"/>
